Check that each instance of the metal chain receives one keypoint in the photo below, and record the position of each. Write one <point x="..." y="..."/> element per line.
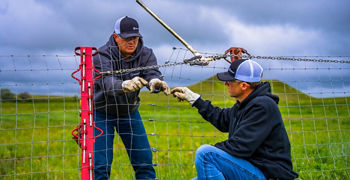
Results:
<point x="197" y="60"/>
<point x="283" y="58"/>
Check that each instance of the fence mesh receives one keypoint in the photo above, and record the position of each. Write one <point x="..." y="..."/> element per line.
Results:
<point x="40" y="106"/>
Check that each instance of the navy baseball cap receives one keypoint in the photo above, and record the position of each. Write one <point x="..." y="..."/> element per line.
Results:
<point x="126" y="27"/>
<point x="243" y="70"/>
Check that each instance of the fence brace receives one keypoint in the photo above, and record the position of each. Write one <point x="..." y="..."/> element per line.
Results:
<point x="85" y="129"/>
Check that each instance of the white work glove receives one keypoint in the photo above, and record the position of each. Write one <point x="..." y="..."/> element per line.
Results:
<point x="183" y="93"/>
<point x="157" y="84"/>
<point x="134" y="84"/>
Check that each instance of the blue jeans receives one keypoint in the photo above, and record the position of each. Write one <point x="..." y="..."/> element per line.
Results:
<point x="214" y="163"/>
<point x="134" y="137"/>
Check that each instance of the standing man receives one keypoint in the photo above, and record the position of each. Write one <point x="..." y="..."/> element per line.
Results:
<point x="257" y="146"/>
<point x="117" y="101"/>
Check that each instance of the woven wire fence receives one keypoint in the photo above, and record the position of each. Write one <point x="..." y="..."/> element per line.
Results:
<point x="40" y="105"/>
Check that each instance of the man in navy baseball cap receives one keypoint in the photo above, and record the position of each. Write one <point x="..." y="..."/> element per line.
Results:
<point x="127" y="27"/>
<point x="257" y="146"/>
<point x="117" y="99"/>
<point x="243" y="70"/>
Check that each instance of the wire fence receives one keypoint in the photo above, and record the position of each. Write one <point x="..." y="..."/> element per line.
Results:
<point x="40" y="105"/>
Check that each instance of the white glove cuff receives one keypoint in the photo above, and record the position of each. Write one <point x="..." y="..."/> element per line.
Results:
<point x="193" y="98"/>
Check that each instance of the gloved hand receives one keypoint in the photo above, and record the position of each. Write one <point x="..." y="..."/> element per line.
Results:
<point x="157" y="84"/>
<point x="134" y="84"/>
<point x="183" y="93"/>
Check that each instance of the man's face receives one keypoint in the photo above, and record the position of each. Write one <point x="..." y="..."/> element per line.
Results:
<point x="233" y="88"/>
<point x="126" y="46"/>
<point x="238" y="89"/>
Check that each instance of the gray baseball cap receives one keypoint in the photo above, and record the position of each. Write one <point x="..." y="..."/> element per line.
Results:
<point x="243" y="70"/>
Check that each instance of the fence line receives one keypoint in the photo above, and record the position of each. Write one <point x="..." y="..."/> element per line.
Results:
<point x="35" y="129"/>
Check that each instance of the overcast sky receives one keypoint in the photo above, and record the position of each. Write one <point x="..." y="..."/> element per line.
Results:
<point x="266" y="27"/>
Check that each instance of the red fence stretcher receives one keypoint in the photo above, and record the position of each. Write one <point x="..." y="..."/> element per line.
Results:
<point x="236" y="53"/>
<point x="85" y="130"/>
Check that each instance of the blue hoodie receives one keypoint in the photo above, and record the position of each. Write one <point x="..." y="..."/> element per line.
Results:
<point x="256" y="131"/>
<point x="108" y="94"/>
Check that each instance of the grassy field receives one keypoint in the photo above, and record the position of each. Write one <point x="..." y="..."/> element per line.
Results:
<point x="36" y="143"/>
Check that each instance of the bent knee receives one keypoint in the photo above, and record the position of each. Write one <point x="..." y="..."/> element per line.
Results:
<point x="204" y="149"/>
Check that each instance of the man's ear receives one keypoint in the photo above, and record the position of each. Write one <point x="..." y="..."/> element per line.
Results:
<point x="114" y="35"/>
<point x="245" y="86"/>
<point x="116" y="39"/>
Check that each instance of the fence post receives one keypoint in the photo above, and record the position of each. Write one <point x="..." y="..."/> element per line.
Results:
<point x="86" y="127"/>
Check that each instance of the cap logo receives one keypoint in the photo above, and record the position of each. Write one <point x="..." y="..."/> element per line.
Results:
<point x="135" y="28"/>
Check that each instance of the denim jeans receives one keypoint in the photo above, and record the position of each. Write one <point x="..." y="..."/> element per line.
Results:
<point x="134" y="137"/>
<point x="214" y="163"/>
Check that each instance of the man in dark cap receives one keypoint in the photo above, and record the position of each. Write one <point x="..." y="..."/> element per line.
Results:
<point x="117" y="99"/>
<point x="257" y="146"/>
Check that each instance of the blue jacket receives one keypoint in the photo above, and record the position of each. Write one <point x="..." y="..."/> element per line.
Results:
<point x="256" y="131"/>
<point x="108" y="94"/>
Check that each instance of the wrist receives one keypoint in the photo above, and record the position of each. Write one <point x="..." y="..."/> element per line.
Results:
<point x="198" y="103"/>
<point x="194" y="98"/>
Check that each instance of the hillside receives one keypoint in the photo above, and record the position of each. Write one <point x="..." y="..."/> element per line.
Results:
<point x="293" y="103"/>
<point x="213" y="89"/>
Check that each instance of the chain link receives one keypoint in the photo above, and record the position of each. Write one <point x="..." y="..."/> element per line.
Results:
<point x="198" y="60"/>
<point x="283" y="58"/>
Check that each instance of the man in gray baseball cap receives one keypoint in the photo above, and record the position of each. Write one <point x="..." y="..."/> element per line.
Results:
<point x="257" y="146"/>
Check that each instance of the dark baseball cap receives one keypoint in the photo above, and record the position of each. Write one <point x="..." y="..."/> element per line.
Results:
<point x="126" y="27"/>
<point x="243" y="70"/>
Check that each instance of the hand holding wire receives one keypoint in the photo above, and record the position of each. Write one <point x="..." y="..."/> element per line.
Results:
<point x="183" y="93"/>
<point x="134" y="84"/>
<point x="158" y="85"/>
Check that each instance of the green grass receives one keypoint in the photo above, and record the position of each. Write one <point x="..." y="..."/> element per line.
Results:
<point x="36" y="142"/>
<point x="35" y="139"/>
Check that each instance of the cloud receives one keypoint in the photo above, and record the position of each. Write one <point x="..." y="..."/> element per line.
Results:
<point x="274" y="39"/>
<point x="32" y="30"/>
<point x="45" y="26"/>
<point x="268" y="27"/>
<point x="314" y="14"/>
